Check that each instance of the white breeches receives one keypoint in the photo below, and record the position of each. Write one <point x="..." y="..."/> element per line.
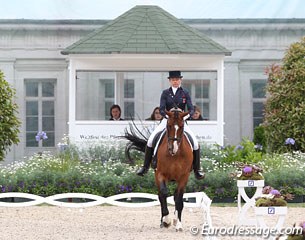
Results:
<point x="162" y="126"/>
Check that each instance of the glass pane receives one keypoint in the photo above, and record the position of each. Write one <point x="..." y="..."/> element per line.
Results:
<point x="202" y="87"/>
<point x="201" y="91"/>
<point x="107" y="109"/>
<point x="31" y="108"/>
<point x="129" y="88"/>
<point x="109" y="88"/>
<point x="257" y="122"/>
<point x="205" y="110"/>
<point x="30" y="140"/>
<point x="31" y="123"/>
<point x="129" y="110"/>
<point x="258" y="108"/>
<point x="48" y="108"/>
<point x="258" y="89"/>
<point x="48" y="89"/>
<point x="91" y="90"/>
<point x="48" y="124"/>
<point x="50" y="142"/>
<point x="31" y="89"/>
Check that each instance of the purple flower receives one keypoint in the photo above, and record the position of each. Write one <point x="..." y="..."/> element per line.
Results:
<point x="275" y="192"/>
<point x="303" y="225"/>
<point x="247" y="169"/>
<point x="44" y="135"/>
<point x="290" y="141"/>
<point x="239" y="147"/>
<point x="37" y="138"/>
<point x="41" y="136"/>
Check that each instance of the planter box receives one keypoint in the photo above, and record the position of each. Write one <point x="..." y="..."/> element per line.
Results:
<point x="272" y="210"/>
<point x="250" y="183"/>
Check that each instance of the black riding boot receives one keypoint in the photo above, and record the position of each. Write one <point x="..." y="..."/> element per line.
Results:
<point x="148" y="157"/>
<point x="196" y="164"/>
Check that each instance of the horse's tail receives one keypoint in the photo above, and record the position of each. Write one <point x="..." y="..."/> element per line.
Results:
<point x="137" y="141"/>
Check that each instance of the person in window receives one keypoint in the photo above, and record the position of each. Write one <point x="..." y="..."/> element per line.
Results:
<point x="155" y="115"/>
<point x="175" y="96"/>
<point x="197" y="114"/>
<point x="115" y="113"/>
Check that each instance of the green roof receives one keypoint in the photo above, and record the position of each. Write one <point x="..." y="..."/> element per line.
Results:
<point x="146" y="29"/>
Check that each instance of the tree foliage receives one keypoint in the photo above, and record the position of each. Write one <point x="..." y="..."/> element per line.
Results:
<point x="9" y="123"/>
<point x="285" y="105"/>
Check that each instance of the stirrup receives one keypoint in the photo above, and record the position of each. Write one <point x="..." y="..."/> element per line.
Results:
<point x="199" y="175"/>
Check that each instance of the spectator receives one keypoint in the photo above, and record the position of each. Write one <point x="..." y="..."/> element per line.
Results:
<point x="197" y="114"/>
<point x="115" y="113"/>
<point x="155" y="115"/>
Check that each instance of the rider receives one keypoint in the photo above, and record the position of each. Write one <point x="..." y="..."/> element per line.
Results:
<point x="175" y="96"/>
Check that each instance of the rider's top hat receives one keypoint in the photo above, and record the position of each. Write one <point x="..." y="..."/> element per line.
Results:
<point x="175" y="74"/>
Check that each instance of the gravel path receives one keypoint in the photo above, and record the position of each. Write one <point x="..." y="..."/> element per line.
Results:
<point x="111" y="222"/>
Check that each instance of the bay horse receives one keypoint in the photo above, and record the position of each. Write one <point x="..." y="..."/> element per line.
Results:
<point x="174" y="163"/>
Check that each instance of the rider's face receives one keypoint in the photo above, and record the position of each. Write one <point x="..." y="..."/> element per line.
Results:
<point x="175" y="82"/>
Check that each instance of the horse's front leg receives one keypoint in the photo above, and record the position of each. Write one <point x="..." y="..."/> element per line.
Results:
<point x="165" y="221"/>
<point x="178" y="197"/>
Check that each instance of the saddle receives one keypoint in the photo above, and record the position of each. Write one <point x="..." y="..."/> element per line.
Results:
<point x="156" y="142"/>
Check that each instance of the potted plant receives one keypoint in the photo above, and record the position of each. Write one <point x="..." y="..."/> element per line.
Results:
<point x="272" y="202"/>
<point x="249" y="175"/>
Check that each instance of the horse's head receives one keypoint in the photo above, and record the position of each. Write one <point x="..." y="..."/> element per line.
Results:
<point x="175" y="128"/>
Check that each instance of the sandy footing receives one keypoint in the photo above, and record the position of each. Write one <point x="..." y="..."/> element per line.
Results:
<point x="110" y="222"/>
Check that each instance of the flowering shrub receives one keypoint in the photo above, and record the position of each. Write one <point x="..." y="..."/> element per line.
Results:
<point x="285" y="108"/>
<point x="100" y="168"/>
<point x="272" y="197"/>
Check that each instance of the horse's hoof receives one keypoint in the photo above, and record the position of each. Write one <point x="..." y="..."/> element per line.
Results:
<point x="164" y="224"/>
<point x="179" y="227"/>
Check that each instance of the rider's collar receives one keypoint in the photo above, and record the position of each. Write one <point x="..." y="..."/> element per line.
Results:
<point x="175" y="89"/>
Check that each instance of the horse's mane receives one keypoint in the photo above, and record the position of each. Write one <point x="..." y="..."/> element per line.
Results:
<point x="137" y="140"/>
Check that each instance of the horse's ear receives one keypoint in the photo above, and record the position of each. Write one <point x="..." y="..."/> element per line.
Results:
<point x="184" y="114"/>
<point x="169" y="113"/>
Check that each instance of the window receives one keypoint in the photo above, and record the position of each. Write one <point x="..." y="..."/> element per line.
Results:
<point x="258" y="100"/>
<point x="138" y="93"/>
<point x="129" y="98"/>
<point x="40" y="111"/>
<point x="202" y="88"/>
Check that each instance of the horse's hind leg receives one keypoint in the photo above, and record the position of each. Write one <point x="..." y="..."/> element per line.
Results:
<point x="178" y="197"/>
<point x="165" y="221"/>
